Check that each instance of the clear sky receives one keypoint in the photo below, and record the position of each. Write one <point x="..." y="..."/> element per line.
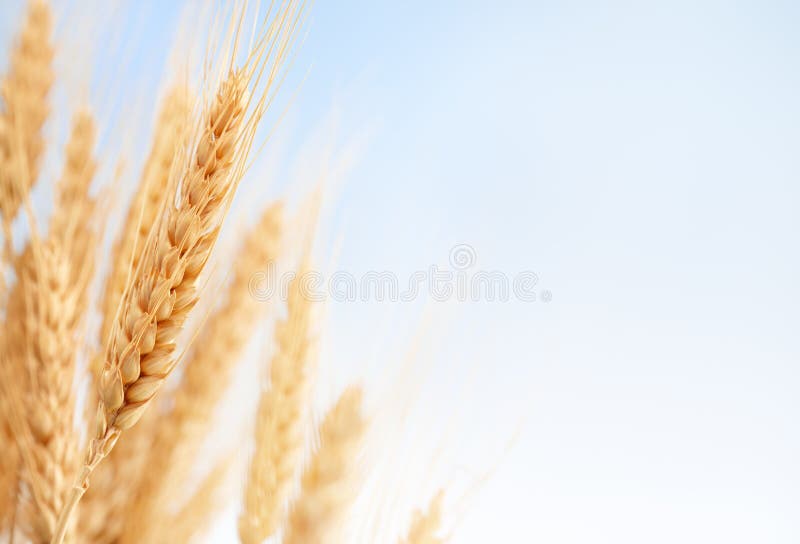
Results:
<point x="642" y="159"/>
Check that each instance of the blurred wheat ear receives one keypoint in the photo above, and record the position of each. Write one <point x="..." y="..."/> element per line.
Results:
<point x="328" y="482"/>
<point x="25" y="91"/>
<point x="426" y="524"/>
<point x="280" y="419"/>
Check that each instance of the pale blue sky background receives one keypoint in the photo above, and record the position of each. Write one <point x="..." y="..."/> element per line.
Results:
<point x="642" y="158"/>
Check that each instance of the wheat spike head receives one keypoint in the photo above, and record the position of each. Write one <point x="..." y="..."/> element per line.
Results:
<point x="279" y="422"/>
<point x="425" y="525"/>
<point x="25" y="90"/>
<point x="141" y="349"/>
<point x="51" y="319"/>
<point x="328" y="483"/>
<point x="206" y="375"/>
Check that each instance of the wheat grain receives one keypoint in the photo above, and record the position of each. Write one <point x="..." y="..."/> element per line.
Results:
<point x="279" y="423"/>
<point x="206" y="375"/>
<point x="328" y="482"/>
<point x="25" y="92"/>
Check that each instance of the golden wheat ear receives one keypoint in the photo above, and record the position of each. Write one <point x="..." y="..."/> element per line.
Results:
<point x="25" y="92"/>
<point x="426" y="525"/>
<point x="328" y="486"/>
<point x="72" y="225"/>
<point x="141" y="350"/>
<point x="102" y="514"/>
<point x="50" y="337"/>
<point x="207" y="371"/>
<point x="45" y="313"/>
<point x="280" y="422"/>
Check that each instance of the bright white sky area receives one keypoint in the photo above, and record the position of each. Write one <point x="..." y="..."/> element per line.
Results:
<point x="642" y="159"/>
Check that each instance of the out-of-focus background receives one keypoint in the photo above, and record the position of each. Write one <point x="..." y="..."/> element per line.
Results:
<point x="640" y="158"/>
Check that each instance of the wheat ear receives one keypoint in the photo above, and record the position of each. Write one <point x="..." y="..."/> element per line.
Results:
<point x="141" y="350"/>
<point x="73" y="202"/>
<point x="327" y="485"/>
<point x="101" y="518"/>
<point x="25" y="91"/>
<point x="426" y="524"/>
<point x="71" y="224"/>
<point x="197" y="513"/>
<point x="206" y="375"/>
<point x="52" y="318"/>
<point x="279" y="423"/>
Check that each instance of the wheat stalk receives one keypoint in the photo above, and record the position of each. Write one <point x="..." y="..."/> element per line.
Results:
<point x="328" y="482"/>
<point x="279" y="423"/>
<point x="206" y="375"/>
<point x="25" y="92"/>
